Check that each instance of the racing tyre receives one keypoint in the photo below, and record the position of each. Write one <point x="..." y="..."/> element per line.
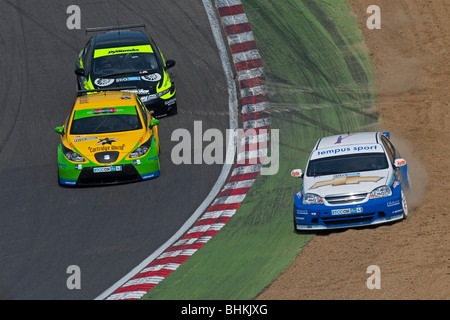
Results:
<point x="404" y="206"/>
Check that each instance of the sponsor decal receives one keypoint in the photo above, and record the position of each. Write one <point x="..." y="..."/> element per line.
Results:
<point x="122" y="50"/>
<point x="400" y="162"/>
<point x="106" y="148"/>
<point x="84" y="113"/>
<point x="103" y="82"/>
<point x="152" y="77"/>
<point x="338" y="181"/>
<point x="170" y="102"/>
<point x="348" y="149"/>
<point x="104" y="110"/>
<point x="85" y="139"/>
<point x="393" y="203"/>
<point x="139" y="92"/>
<point x="126" y="79"/>
<point x="106" y="141"/>
<point x="149" y="176"/>
<point x="339" y="140"/>
<point x="346" y="211"/>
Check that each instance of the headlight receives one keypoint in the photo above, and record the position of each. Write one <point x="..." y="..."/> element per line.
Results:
<point x="154" y="96"/>
<point x="142" y="150"/>
<point x="381" y="192"/>
<point x="72" y="155"/>
<point x="311" y="198"/>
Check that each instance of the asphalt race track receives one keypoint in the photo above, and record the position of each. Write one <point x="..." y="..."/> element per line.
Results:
<point x="105" y="231"/>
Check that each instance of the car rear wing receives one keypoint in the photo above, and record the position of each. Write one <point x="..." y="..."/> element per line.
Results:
<point x="112" y="28"/>
<point x="125" y="89"/>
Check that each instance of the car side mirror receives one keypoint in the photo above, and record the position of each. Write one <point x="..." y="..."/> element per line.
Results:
<point x="170" y="64"/>
<point x="80" y="72"/>
<point x="154" y="122"/>
<point x="398" y="163"/>
<point x="59" y="130"/>
<point x="297" y="173"/>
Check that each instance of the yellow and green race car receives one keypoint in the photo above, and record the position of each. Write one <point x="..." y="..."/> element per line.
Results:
<point x="120" y="57"/>
<point x="109" y="137"/>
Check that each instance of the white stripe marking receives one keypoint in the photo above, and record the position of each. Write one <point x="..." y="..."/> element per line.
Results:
<point x="254" y="154"/>
<point x="206" y="227"/>
<point x="257" y="107"/>
<point x="144" y="280"/>
<point x="234" y="19"/>
<point x="229" y="199"/>
<point x="240" y="38"/>
<point x="247" y="74"/>
<point x="246" y="56"/>
<point x="168" y="266"/>
<point x="239" y="184"/>
<point x="246" y="169"/>
<point x="217" y="214"/>
<point x="254" y="124"/>
<point x="254" y="91"/>
<point x="127" y="295"/>
<point x="227" y="3"/>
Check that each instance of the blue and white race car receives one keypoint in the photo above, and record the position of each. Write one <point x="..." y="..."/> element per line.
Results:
<point x="351" y="180"/>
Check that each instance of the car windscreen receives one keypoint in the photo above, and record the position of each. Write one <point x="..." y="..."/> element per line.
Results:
<point x="105" y="120"/>
<point x="117" y="61"/>
<point x="347" y="164"/>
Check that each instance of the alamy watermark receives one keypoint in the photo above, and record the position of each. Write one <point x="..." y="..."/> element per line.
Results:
<point x="374" y="21"/>
<point x="74" y="280"/>
<point x="374" y="281"/>
<point x="210" y="147"/>
<point x="74" y="19"/>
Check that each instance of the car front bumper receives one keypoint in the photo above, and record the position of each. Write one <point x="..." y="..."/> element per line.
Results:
<point x="371" y="212"/>
<point x="90" y="174"/>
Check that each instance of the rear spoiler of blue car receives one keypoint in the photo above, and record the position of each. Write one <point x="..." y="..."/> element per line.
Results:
<point x="112" y="28"/>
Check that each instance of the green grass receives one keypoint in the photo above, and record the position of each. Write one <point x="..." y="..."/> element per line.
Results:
<point x="320" y="79"/>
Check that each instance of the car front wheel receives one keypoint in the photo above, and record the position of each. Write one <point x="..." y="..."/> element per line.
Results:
<point x="404" y="205"/>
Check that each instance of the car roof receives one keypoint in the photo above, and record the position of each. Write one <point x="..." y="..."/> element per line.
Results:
<point x="105" y="100"/>
<point x="360" y="138"/>
<point x="120" y="38"/>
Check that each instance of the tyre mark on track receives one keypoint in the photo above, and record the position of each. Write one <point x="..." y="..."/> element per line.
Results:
<point x="23" y="74"/>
